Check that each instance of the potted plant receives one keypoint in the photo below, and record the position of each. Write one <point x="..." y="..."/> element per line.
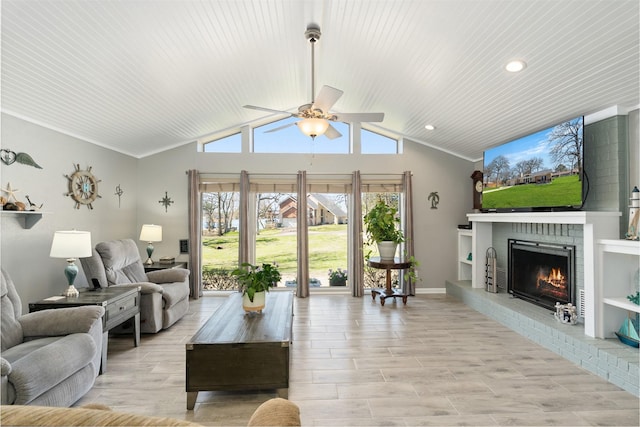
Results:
<point x="338" y="277"/>
<point x="255" y="282"/>
<point x="382" y="228"/>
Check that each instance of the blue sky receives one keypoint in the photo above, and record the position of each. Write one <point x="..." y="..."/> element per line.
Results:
<point x="292" y="140"/>
<point x="534" y="145"/>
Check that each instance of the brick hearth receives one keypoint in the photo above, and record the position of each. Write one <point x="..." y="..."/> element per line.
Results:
<point x="607" y="358"/>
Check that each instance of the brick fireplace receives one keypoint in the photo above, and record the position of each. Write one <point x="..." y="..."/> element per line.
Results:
<point x="580" y="229"/>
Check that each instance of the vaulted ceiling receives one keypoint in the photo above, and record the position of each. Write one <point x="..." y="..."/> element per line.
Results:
<point x="143" y="76"/>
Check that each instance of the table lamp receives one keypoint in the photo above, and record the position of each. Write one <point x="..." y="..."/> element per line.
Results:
<point x="150" y="233"/>
<point x="71" y="245"/>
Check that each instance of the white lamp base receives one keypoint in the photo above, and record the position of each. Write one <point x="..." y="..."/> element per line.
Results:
<point x="72" y="292"/>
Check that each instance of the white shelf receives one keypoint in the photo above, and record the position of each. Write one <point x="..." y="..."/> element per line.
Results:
<point x="28" y="218"/>
<point x="623" y="303"/>
<point x="465" y="267"/>
<point x="619" y="246"/>
<point x="618" y="261"/>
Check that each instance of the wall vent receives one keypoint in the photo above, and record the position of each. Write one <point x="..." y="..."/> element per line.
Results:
<point x="581" y="303"/>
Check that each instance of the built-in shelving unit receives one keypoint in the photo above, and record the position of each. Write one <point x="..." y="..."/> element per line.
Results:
<point x="619" y="261"/>
<point x="465" y="265"/>
<point x="27" y="218"/>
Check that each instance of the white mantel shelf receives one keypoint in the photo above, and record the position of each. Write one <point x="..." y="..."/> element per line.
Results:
<point x="567" y="217"/>
<point x="596" y="225"/>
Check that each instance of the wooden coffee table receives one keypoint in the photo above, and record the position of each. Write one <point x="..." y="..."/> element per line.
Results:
<point x="235" y="350"/>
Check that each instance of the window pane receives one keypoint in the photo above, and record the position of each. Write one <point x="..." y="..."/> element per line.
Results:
<point x="374" y="143"/>
<point x="229" y="144"/>
<point x="292" y="140"/>
<point x="220" y="240"/>
<point x="374" y="277"/>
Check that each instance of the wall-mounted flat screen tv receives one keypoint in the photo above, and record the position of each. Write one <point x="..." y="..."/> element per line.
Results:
<point x="541" y="171"/>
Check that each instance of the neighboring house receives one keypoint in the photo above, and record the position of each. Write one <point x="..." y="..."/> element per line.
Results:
<point x="320" y="210"/>
<point x="325" y="210"/>
<point x="541" y="177"/>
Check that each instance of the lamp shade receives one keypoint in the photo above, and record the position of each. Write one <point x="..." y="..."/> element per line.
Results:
<point x="71" y="244"/>
<point x="313" y="127"/>
<point x="151" y="233"/>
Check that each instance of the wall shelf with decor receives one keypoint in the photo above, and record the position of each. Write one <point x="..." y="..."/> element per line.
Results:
<point x="465" y="265"/>
<point x="619" y="262"/>
<point x="27" y="218"/>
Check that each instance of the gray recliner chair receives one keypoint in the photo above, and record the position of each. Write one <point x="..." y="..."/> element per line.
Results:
<point x="164" y="293"/>
<point x="49" y="357"/>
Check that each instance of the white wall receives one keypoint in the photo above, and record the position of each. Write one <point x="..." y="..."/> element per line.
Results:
<point x="24" y="253"/>
<point x="435" y="230"/>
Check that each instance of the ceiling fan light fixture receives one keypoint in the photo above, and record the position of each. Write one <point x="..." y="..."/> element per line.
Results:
<point x="313" y="127"/>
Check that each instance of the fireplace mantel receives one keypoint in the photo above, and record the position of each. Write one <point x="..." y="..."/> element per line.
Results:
<point x="565" y="217"/>
<point x="595" y="224"/>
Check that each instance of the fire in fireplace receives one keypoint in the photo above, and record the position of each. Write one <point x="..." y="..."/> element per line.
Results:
<point x="541" y="273"/>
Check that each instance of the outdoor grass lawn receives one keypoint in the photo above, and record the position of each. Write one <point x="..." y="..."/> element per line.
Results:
<point x="562" y="191"/>
<point x="327" y="249"/>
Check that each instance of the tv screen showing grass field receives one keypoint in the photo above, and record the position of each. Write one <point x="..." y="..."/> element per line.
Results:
<point x="541" y="170"/>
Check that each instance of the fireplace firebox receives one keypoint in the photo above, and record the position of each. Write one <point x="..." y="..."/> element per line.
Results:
<point x="541" y="273"/>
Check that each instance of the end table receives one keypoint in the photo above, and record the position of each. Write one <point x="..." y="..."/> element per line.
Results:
<point x="388" y="265"/>
<point x="120" y="304"/>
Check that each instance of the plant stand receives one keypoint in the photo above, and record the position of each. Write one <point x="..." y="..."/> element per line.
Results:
<point x="388" y="265"/>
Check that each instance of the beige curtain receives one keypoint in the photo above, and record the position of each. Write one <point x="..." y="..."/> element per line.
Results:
<point x="355" y="262"/>
<point x="408" y="287"/>
<point x="243" y="224"/>
<point x="195" y="234"/>
<point x="303" y="237"/>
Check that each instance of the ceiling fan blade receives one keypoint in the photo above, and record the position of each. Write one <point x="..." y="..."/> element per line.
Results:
<point x="268" y="110"/>
<point x="359" y="117"/>
<point x="280" y="127"/>
<point x="326" y="98"/>
<point x="332" y="133"/>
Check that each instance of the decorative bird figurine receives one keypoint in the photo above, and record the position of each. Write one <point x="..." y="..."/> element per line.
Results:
<point x="9" y="157"/>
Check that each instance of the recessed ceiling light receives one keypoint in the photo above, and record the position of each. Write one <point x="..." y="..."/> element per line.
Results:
<point x="429" y="127"/>
<point x="515" y="66"/>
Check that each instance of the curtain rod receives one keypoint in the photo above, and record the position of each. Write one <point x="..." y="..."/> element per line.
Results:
<point x="294" y="174"/>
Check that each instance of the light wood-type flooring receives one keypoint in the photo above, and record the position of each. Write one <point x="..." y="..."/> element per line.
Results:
<point x="355" y="363"/>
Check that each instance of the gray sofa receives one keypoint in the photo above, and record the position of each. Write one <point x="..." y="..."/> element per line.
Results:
<point x="164" y="293"/>
<point x="50" y="357"/>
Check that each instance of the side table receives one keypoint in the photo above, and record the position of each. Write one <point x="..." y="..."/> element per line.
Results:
<point x="120" y="304"/>
<point x="388" y="265"/>
<point x="157" y="266"/>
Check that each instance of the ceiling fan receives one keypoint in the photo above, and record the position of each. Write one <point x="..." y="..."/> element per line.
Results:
<point x="316" y="115"/>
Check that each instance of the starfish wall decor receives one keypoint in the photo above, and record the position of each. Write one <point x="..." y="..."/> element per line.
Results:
<point x="11" y="192"/>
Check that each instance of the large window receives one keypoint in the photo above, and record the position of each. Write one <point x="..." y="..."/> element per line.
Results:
<point x="228" y="144"/>
<point x="271" y="218"/>
<point x="289" y="139"/>
<point x="374" y="143"/>
<point x="283" y="136"/>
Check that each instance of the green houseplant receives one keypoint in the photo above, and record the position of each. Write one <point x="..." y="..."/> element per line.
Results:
<point x="382" y="224"/>
<point x="254" y="282"/>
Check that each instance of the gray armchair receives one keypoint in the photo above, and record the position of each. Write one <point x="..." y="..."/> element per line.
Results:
<point x="50" y="357"/>
<point x="164" y="293"/>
